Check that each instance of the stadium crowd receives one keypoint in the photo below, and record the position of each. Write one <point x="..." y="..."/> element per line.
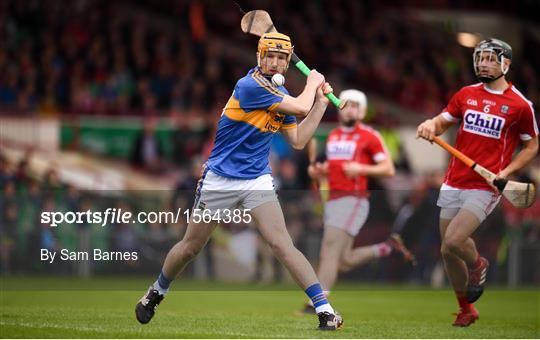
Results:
<point x="92" y="57"/>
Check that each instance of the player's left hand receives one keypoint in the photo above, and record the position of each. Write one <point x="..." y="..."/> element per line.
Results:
<point x="501" y="175"/>
<point x="426" y="130"/>
<point x="353" y="169"/>
<point x="325" y="89"/>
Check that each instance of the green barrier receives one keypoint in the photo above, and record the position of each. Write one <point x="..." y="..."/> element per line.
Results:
<point x="111" y="138"/>
<point x="116" y="138"/>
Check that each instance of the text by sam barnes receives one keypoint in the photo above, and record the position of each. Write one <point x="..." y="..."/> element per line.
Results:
<point x="96" y="255"/>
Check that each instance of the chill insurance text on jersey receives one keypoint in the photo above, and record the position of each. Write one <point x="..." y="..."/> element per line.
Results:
<point x="492" y="125"/>
<point x="360" y="144"/>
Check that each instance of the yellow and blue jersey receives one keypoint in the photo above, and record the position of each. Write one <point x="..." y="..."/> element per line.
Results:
<point x="247" y="125"/>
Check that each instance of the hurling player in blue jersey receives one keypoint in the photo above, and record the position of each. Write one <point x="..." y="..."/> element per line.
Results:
<point x="237" y="173"/>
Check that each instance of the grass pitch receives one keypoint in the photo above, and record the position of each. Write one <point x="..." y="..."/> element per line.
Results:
<point x="104" y="308"/>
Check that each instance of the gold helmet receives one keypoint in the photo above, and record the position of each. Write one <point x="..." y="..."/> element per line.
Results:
<point x="274" y="42"/>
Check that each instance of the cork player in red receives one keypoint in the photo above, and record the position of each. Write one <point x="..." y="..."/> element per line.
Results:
<point x="355" y="152"/>
<point x="494" y="118"/>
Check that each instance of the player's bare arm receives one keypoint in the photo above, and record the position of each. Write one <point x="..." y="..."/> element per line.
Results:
<point x="318" y="170"/>
<point x="298" y="137"/>
<point x="524" y="157"/>
<point x="433" y="127"/>
<point x="384" y="168"/>
<point x="301" y="105"/>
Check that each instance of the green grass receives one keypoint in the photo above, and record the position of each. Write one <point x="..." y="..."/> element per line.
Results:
<point x="99" y="308"/>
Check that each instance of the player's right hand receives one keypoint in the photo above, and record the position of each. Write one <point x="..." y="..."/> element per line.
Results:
<point x="316" y="170"/>
<point x="312" y="171"/>
<point x="315" y="78"/>
<point x="426" y="130"/>
<point x="322" y="92"/>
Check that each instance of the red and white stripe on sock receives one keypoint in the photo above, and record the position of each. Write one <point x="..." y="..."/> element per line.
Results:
<point x="382" y="249"/>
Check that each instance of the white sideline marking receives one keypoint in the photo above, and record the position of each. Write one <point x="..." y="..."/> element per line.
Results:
<point x="100" y="330"/>
<point x="49" y="325"/>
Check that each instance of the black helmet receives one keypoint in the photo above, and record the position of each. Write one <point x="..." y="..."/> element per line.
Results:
<point x="498" y="49"/>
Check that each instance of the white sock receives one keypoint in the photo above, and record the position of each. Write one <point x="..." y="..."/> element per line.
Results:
<point x="381" y="249"/>
<point x="157" y="287"/>
<point x="324" y="308"/>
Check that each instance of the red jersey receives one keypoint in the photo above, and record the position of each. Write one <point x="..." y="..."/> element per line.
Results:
<point x="492" y="125"/>
<point x="361" y="144"/>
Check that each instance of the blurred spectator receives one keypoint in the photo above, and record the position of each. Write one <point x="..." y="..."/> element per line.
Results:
<point x="9" y="194"/>
<point x="155" y="245"/>
<point x="8" y="234"/>
<point x="43" y="236"/>
<point x="188" y="141"/>
<point x="5" y="173"/>
<point x="22" y="171"/>
<point x="285" y="177"/>
<point x="124" y="238"/>
<point x="148" y="152"/>
<point x="417" y="222"/>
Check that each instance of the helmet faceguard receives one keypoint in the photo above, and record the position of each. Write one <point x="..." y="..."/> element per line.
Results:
<point x="356" y="100"/>
<point x="493" y="50"/>
<point x="274" y="42"/>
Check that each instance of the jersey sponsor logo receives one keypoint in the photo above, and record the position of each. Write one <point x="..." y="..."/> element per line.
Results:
<point x="340" y="150"/>
<point x="483" y="124"/>
<point x="472" y="102"/>
<point x="274" y="123"/>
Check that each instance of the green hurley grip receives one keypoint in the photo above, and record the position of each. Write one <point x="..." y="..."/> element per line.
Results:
<point x="302" y="67"/>
<point x="335" y="100"/>
<point x="305" y="71"/>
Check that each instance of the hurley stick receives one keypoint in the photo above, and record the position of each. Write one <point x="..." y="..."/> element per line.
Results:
<point x="258" y="22"/>
<point x="520" y="195"/>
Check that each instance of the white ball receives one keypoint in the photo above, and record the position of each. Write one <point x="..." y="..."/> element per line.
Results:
<point x="278" y="79"/>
